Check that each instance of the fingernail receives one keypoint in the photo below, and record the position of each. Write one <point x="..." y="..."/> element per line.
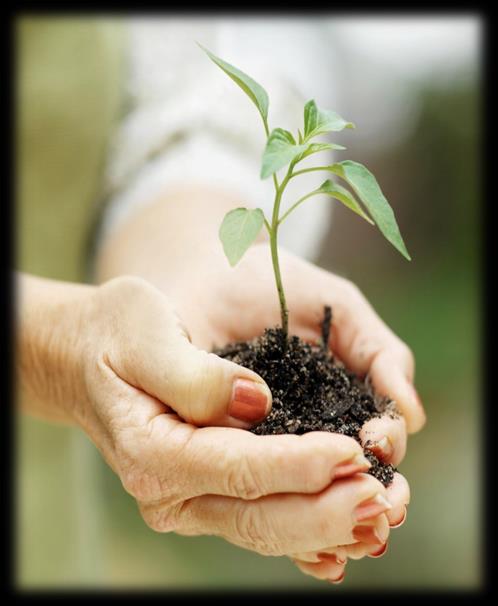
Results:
<point x="338" y="580"/>
<point x="250" y="401"/>
<point x="355" y="465"/>
<point x="382" y="448"/>
<point x="379" y="553"/>
<point x="367" y="534"/>
<point x="371" y="508"/>
<point x="401" y="521"/>
<point x="330" y="557"/>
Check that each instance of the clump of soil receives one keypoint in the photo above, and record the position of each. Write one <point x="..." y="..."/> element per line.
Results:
<point x="312" y="390"/>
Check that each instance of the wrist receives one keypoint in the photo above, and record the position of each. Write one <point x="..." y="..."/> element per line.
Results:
<point x="50" y="346"/>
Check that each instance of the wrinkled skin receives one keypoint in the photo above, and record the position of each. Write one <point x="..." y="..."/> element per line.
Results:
<point x="219" y="304"/>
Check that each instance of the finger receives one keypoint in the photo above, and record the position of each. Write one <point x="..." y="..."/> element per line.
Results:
<point x="201" y="387"/>
<point x="275" y="524"/>
<point x="151" y="446"/>
<point x="337" y="553"/>
<point x="389" y="378"/>
<point x="366" y="345"/>
<point x="205" y="389"/>
<point x="386" y="437"/>
<point x="235" y="462"/>
<point x="398" y="494"/>
<point x="360" y="549"/>
<point x="373" y="547"/>
<point x="324" y="570"/>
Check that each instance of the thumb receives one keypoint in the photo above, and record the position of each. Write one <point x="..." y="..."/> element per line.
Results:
<point x="200" y="387"/>
<point x="205" y="389"/>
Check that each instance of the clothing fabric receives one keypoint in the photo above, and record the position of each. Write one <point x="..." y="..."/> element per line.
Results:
<point x="189" y="123"/>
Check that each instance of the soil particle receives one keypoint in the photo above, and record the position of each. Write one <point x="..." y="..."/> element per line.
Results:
<point x="312" y="390"/>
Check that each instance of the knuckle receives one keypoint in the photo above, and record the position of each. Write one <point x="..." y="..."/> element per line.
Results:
<point x="252" y="528"/>
<point x="141" y="485"/>
<point x="126" y="286"/>
<point x="394" y="349"/>
<point x="351" y="290"/>
<point x="321" y="452"/>
<point x="370" y="486"/>
<point x="209" y="374"/>
<point x="130" y="472"/>
<point x="408" y="355"/>
<point x="138" y="475"/>
<point x="342" y="445"/>
<point x="244" y="481"/>
<point x="317" y="472"/>
<point x="132" y="284"/>
<point x="209" y="385"/>
<point x="366" y="347"/>
<point x="149" y="486"/>
<point x="182" y="384"/>
<point x="198" y="382"/>
<point x="162" y="519"/>
<point x="214" y="374"/>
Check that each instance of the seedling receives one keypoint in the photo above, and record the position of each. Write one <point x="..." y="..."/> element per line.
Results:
<point x="241" y="226"/>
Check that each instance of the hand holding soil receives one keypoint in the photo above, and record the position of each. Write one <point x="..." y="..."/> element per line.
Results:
<point x="119" y="353"/>
<point x="225" y="305"/>
<point x="172" y="420"/>
<point x="239" y="303"/>
<point x="312" y="389"/>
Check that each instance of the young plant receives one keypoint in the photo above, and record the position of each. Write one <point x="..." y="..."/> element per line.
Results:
<point x="241" y="226"/>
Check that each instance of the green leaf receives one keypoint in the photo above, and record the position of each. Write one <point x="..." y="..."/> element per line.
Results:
<point x="343" y="195"/>
<point x="281" y="148"/>
<point x="314" y="148"/>
<point x="318" y="121"/>
<point x="253" y="90"/>
<point x="366" y="187"/>
<point x="239" y="230"/>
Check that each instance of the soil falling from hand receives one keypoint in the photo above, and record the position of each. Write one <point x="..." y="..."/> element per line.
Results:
<point x="311" y="389"/>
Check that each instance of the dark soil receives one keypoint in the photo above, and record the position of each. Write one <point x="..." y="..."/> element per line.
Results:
<point x="311" y="389"/>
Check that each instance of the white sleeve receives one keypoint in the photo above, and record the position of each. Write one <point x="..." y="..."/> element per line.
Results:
<point x="188" y="122"/>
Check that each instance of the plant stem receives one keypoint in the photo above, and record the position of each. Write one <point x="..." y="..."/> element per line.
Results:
<point x="273" y="231"/>
<point x="284" y="312"/>
<point x="310" y="170"/>
<point x="267" y="131"/>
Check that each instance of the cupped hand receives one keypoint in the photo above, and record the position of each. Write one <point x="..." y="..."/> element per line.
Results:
<point x="220" y="304"/>
<point x="142" y="390"/>
<point x="239" y="303"/>
<point x="370" y="540"/>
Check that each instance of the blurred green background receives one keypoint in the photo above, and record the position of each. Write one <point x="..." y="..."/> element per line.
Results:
<point x="429" y="168"/>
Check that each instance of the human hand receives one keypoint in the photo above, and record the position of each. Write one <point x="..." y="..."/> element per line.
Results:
<point x="220" y="304"/>
<point x="371" y="539"/>
<point x="128" y="375"/>
<point x="239" y="303"/>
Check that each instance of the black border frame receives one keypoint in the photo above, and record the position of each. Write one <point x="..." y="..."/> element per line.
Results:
<point x="7" y="344"/>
